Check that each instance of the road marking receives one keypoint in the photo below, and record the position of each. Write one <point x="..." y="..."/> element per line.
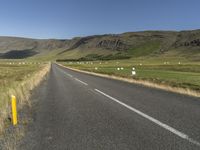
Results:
<point x="80" y="81"/>
<point x="165" y="126"/>
<point x="69" y="75"/>
<point x="65" y="73"/>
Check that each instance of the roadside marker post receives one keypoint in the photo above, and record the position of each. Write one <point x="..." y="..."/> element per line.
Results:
<point x="14" y="110"/>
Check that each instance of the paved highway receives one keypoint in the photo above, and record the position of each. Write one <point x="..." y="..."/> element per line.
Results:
<point x="80" y="111"/>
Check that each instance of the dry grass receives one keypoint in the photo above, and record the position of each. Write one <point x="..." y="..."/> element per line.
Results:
<point x="143" y="82"/>
<point x="22" y="91"/>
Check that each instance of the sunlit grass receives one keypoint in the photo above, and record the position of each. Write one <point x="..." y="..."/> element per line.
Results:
<point x="18" y="78"/>
<point x="173" y="72"/>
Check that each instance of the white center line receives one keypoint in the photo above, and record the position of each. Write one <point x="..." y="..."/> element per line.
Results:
<point x="165" y="126"/>
<point x="80" y="81"/>
<point x="69" y="75"/>
<point x="65" y="73"/>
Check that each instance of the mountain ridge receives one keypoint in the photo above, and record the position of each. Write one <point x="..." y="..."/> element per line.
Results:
<point x="135" y="44"/>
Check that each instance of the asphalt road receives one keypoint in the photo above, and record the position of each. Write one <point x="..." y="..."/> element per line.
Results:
<point x="80" y="111"/>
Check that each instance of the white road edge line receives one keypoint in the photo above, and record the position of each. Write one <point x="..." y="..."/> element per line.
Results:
<point x="80" y="81"/>
<point x="165" y="126"/>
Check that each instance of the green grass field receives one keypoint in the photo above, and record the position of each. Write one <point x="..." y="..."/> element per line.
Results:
<point x="13" y="74"/>
<point x="145" y="49"/>
<point x="172" y="72"/>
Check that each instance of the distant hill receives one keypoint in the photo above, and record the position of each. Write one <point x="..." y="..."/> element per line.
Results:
<point x="115" y="46"/>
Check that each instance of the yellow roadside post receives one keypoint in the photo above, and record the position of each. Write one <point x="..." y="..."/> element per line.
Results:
<point x="14" y="110"/>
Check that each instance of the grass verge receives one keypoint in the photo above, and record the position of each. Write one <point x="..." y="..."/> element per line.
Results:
<point x="19" y="80"/>
<point x="180" y="78"/>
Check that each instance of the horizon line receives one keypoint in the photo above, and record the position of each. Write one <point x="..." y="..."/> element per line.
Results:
<point x="81" y="36"/>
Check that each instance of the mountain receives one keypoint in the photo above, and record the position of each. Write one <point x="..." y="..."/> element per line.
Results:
<point x="14" y="47"/>
<point x="109" y="46"/>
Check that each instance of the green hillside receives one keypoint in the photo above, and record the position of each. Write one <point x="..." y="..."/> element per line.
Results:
<point x="131" y="45"/>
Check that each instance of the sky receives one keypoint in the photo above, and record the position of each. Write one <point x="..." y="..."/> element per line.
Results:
<point x="63" y="19"/>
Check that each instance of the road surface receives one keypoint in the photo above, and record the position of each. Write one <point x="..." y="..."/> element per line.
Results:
<point x="80" y="111"/>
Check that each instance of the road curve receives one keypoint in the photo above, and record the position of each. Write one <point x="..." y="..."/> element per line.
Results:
<point x="81" y="111"/>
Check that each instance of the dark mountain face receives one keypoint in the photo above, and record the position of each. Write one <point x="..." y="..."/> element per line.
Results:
<point x="115" y="44"/>
<point x="16" y="54"/>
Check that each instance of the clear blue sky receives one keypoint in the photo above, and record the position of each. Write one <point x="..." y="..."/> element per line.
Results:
<point x="70" y="18"/>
